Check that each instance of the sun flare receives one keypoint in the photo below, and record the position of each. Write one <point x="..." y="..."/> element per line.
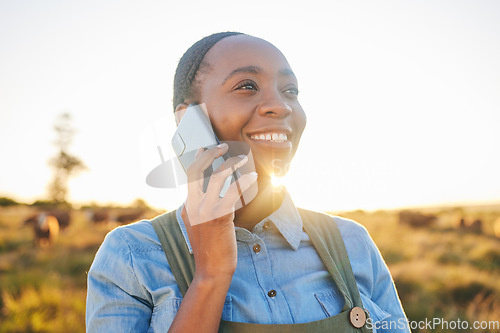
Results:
<point x="278" y="181"/>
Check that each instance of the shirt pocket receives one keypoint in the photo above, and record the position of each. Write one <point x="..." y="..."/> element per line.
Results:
<point x="330" y="300"/>
<point x="374" y="311"/>
<point x="164" y="314"/>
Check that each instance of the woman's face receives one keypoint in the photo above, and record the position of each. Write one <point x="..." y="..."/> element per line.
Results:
<point x="250" y="94"/>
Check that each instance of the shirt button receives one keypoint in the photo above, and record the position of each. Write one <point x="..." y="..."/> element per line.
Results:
<point x="357" y="316"/>
<point x="266" y="226"/>
<point x="256" y="248"/>
<point x="271" y="293"/>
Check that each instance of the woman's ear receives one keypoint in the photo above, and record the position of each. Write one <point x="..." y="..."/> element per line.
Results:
<point x="179" y="112"/>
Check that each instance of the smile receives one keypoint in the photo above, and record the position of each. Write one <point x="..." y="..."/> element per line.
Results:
<point x="271" y="137"/>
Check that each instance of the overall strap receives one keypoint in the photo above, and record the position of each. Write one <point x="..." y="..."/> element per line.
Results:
<point x="326" y="238"/>
<point x="172" y="241"/>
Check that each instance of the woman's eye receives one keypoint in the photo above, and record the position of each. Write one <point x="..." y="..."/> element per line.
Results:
<point x="246" y="85"/>
<point x="293" y="91"/>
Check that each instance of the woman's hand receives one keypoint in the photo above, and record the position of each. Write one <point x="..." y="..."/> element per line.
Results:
<point x="210" y="227"/>
<point x="210" y="224"/>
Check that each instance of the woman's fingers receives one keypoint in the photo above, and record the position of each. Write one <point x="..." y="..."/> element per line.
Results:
<point x="219" y="177"/>
<point x="199" y="151"/>
<point x="206" y="158"/>
<point x="202" y="161"/>
<point x="233" y="193"/>
<point x="209" y="206"/>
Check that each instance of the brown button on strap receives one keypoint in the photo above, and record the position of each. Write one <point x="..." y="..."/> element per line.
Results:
<point x="266" y="225"/>
<point x="357" y="316"/>
<point x="256" y="248"/>
<point x="271" y="293"/>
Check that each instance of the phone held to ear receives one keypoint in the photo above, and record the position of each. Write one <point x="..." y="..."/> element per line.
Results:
<point x="195" y="131"/>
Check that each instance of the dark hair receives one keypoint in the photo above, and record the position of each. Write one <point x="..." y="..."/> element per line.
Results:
<point x="190" y="64"/>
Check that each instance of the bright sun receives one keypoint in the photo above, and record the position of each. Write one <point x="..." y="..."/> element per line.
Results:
<point x="278" y="181"/>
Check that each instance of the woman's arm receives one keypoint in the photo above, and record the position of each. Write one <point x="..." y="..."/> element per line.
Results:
<point x="209" y="223"/>
<point x="201" y="307"/>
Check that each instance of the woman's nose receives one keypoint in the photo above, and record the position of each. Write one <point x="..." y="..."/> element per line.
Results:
<point x="274" y="107"/>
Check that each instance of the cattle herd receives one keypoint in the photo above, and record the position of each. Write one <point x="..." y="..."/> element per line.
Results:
<point x="47" y="224"/>
<point x="462" y="223"/>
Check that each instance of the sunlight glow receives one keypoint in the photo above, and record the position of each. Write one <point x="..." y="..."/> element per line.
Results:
<point x="394" y="107"/>
<point x="279" y="181"/>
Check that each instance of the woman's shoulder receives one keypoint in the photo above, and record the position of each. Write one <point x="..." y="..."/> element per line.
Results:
<point x="137" y="236"/>
<point x="346" y="226"/>
<point x="349" y="228"/>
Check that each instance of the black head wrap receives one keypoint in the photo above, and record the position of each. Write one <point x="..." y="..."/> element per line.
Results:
<point x="190" y="63"/>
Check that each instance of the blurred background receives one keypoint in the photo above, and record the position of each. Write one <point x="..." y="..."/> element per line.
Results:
<point x="403" y="107"/>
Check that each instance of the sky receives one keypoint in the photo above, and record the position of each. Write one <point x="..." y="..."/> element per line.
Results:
<point x="402" y="97"/>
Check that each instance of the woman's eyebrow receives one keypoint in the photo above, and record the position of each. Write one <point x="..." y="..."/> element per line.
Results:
<point x="286" y="72"/>
<point x="256" y="70"/>
<point x="245" y="69"/>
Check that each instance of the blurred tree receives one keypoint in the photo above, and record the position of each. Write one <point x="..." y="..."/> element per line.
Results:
<point x="64" y="164"/>
<point x="50" y="204"/>
<point x="4" y="202"/>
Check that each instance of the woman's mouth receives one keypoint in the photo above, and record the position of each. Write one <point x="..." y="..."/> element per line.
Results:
<point x="275" y="139"/>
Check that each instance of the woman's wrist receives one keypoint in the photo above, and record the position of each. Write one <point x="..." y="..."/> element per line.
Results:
<point x="202" y="306"/>
<point x="212" y="281"/>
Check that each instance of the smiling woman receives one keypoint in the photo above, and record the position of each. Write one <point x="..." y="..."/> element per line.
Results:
<point x="265" y="267"/>
<point x="251" y="93"/>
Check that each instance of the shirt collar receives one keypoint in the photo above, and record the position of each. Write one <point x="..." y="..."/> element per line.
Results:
<point x="183" y="227"/>
<point x="286" y="219"/>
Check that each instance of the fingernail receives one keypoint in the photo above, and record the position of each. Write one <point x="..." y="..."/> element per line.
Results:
<point x="254" y="174"/>
<point x="242" y="156"/>
<point x="222" y="145"/>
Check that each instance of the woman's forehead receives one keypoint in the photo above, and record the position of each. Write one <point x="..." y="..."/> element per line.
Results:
<point x="243" y="50"/>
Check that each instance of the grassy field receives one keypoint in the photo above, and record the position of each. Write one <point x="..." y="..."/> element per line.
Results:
<point x="440" y="271"/>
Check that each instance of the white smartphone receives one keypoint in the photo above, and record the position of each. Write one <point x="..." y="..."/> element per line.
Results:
<point x="195" y="131"/>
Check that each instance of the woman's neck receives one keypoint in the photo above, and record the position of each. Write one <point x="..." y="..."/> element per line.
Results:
<point x="267" y="200"/>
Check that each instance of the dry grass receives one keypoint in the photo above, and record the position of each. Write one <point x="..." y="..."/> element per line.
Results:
<point x="43" y="290"/>
<point x="439" y="271"/>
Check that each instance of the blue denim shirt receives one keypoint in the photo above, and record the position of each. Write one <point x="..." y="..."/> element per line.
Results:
<point x="132" y="289"/>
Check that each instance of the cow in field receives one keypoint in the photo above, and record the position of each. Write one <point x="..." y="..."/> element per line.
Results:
<point x="45" y="229"/>
<point x="416" y="219"/>
<point x="475" y="226"/>
<point x="129" y="216"/>
<point x="63" y="216"/>
<point x="98" y="216"/>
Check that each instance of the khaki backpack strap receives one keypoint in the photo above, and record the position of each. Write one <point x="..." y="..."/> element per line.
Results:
<point x="172" y="241"/>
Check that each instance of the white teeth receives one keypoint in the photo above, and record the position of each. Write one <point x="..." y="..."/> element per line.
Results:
<point x="274" y="137"/>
